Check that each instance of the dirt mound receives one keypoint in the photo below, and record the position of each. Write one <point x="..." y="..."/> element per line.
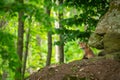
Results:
<point x="102" y="69"/>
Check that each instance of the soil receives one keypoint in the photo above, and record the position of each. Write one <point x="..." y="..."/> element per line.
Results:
<point x="86" y="69"/>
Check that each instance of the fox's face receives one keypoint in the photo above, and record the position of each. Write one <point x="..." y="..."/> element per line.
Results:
<point x="88" y="53"/>
<point x="83" y="45"/>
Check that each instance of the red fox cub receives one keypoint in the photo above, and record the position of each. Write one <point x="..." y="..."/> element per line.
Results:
<point x="88" y="53"/>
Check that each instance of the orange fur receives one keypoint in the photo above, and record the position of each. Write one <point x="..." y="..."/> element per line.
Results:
<point x="88" y="53"/>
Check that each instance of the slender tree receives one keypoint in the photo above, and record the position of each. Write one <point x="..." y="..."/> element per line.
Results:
<point x="48" y="61"/>
<point x="26" y="51"/>
<point x="61" y="37"/>
<point x="20" y="41"/>
<point x="49" y="35"/>
<point x="58" y="25"/>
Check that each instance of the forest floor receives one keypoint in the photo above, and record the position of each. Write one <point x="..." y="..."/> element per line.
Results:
<point x="86" y="69"/>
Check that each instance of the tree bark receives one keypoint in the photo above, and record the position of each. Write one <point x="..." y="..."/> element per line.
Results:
<point x="18" y="75"/>
<point x="61" y="50"/>
<point x="61" y="58"/>
<point x="49" y="35"/>
<point x="58" y="25"/>
<point x="48" y="62"/>
<point x="26" y="52"/>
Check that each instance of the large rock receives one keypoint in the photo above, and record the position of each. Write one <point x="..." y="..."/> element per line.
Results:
<point x="107" y="33"/>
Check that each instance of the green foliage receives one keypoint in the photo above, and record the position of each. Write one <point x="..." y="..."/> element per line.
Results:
<point x="9" y="58"/>
<point x="69" y="35"/>
<point x="79" y="21"/>
<point x="89" y="13"/>
<point x="72" y="48"/>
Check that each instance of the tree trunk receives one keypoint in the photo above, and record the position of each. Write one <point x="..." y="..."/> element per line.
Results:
<point x="49" y="35"/>
<point x="61" y="38"/>
<point x="60" y="47"/>
<point x="18" y="75"/>
<point x="61" y="50"/>
<point x="48" y="62"/>
<point x="26" y="51"/>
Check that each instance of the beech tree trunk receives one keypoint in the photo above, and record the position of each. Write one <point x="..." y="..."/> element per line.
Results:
<point x="59" y="48"/>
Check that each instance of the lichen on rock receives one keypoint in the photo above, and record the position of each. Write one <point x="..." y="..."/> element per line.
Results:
<point x="107" y="33"/>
